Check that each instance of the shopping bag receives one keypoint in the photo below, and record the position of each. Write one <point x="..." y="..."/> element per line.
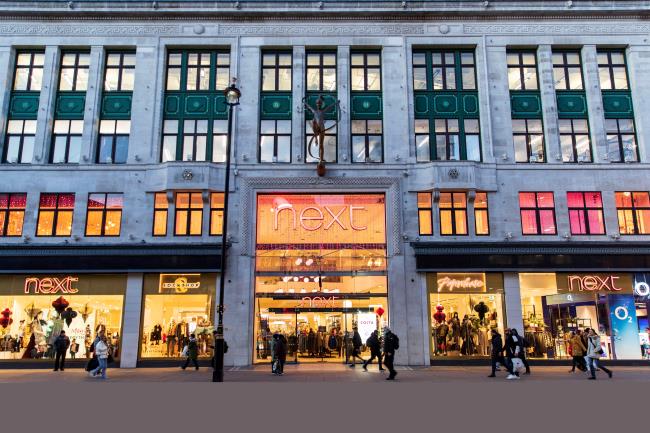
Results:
<point x="518" y="365"/>
<point x="92" y="364"/>
<point x="185" y="351"/>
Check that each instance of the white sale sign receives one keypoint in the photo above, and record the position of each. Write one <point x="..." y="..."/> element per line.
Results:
<point x="366" y="323"/>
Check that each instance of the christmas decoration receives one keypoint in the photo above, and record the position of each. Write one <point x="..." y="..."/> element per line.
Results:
<point x="85" y="312"/>
<point x="5" y="320"/>
<point x="481" y="309"/>
<point x="60" y="304"/>
<point x="380" y="311"/>
<point x="32" y="311"/>
<point x="68" y="315"/>
<point x="439" y="315"/>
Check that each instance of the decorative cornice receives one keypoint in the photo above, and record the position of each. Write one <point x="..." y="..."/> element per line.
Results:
<point x="322" y="30"/>
<point x="560" y="28"/>
<point x="88" y="30"/>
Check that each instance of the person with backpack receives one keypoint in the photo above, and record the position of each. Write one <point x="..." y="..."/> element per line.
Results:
<point x="374" y="345"/>
<point x="192" y="353"/>
<point x="279" y="353"/>
<point x="496" y="354"/>
<point x="594" y="353"/>
<point x="356" y="347"/>
<point x="101" y="352"/>
<point x="514" y="347"/>
<point x="61" y="345"/>
<point x="522" y="355"/>
<point x="391" y="344"/>
<point x="578" y="350"/>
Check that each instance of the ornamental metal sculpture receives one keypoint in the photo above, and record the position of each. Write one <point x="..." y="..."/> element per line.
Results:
<point x="318" y="129"/>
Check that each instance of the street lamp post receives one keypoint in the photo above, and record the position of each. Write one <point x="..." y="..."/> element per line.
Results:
<point x="232" y="94"/>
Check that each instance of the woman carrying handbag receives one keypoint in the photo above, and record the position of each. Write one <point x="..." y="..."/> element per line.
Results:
<point x="594" y="353"/>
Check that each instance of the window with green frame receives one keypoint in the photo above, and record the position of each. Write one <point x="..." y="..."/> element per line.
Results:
<point x="366" y="114"/>
<point x="274" y="145"/>
<point x="195" y="107"/>
<point x="573" y="118"/>
<point x="617" y="102"/>
<point x="320" y="81"/>
<point x="446" y="105"/>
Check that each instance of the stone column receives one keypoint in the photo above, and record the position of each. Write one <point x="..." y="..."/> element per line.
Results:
<point x="549" y="103"/>
<point x="513" y="301"/>
<point x="298" y="154"/>
<point x="499" y="103"/>
<point x="132" y="316"/>
<point x="594" y="103"/>
<point x="638" y="59"/>
<point x="394" y="98"/>
<point x="247" y="120"/>
<point x="46" y="105"/>
<point x="93" y="102"/>
<point x="343" y="93"/>
<point x="484" y="87"/>
<point x="144" y="142"/>
<point x="7" y="60"/>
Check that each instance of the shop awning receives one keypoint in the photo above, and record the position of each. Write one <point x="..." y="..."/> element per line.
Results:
<point x="532" y="256"/>
<point x="143" y="258"/>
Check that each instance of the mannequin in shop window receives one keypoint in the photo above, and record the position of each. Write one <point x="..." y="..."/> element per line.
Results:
<point x="156" y="334"/>
<point x="171" y="338"/>
<point x="454" y="335"/>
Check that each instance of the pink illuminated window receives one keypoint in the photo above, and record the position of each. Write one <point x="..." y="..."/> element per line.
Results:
<point x="537" y="213"/>
<point x="586" y="213"/>
<point x="12" y="214"/>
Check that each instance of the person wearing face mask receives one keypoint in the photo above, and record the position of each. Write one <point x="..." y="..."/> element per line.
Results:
<point x="594" y="353"/>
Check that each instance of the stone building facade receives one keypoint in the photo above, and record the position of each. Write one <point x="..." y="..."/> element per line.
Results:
<point x="506" y="142"/>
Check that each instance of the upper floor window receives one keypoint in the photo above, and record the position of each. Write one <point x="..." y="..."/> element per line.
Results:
<point x="195" y="138"/>
<point x="528" y="137"/>
<point x="104" y="216"/>
<point x="621" y="140"/>
<point x="55" y="214"/>
<point x="574" y="140"/>
<point x="120" y="72"/>
<point x="522" y="70"/>
<point x="321" y="71"/>
<point x="74" y="71"/>
<point x="329" y="143"/>
<point x="481" y="216"/>
<point x="198" y="70"/>
<point x="12" y="213"/>
<point x="633" y="211"/>
<point x="586" y="213"/>
<point x="19" y="143"/>
<point x="567" y="70"/>
<point x="450" y="70"/>
<point x="66" y="141"/>
<point x="537" y="213"/>
<point x="453" y="213"/>
<point x="29" y="70"/>
<point x="113" y="141"/>
<point x="188" y="220"/>
<point x="160" y="213"/>
<point x="612" y="70"/>
<point x="425" y="214"/>
<point x="216" y="213"/>
<point x="275" y="141"/>
<point x="365" y="69"/>
<point x="367" y="141"/>
<point x="276" y="71"/>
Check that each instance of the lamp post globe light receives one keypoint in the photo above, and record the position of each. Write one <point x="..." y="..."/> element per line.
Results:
<point x="232" y="95"/>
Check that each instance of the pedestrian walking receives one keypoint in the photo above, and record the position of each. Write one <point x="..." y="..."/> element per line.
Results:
<point x="374" y="345"/>
<point x="101" y="352"/>
<point x="279" y="353"/>
<point x="356" y="347"/>
<point x="522" y="353"/>
<point x="74" y="348"/>
<point x="61" y="344"/>
<point x="594" y="353"/>
<point x="578" y="351"/>
<point x="496" y="353"/>
<point x="513" y="348"/>
<point x="192" y="352"/>
<point x="391" y="344"/>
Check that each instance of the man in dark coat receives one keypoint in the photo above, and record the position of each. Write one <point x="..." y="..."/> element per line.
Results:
<point x="192" y="353"/>
<point x="391" y="344"/>
<point x="61" y="345"/>
<point x="356" y="347"/>
<point x="280" y="353"/>
<point x="374" y="345"/>
<point x="497" y="351"/>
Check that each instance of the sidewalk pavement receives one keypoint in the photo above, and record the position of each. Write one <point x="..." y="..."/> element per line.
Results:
<point x="321" y="373"/>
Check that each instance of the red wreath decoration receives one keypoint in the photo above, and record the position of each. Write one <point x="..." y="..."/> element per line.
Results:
<point x="380" y="311"/>
<point x="439" y="316"/>
<point x="60" y="304"/>
<point x="5" y="320"/>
